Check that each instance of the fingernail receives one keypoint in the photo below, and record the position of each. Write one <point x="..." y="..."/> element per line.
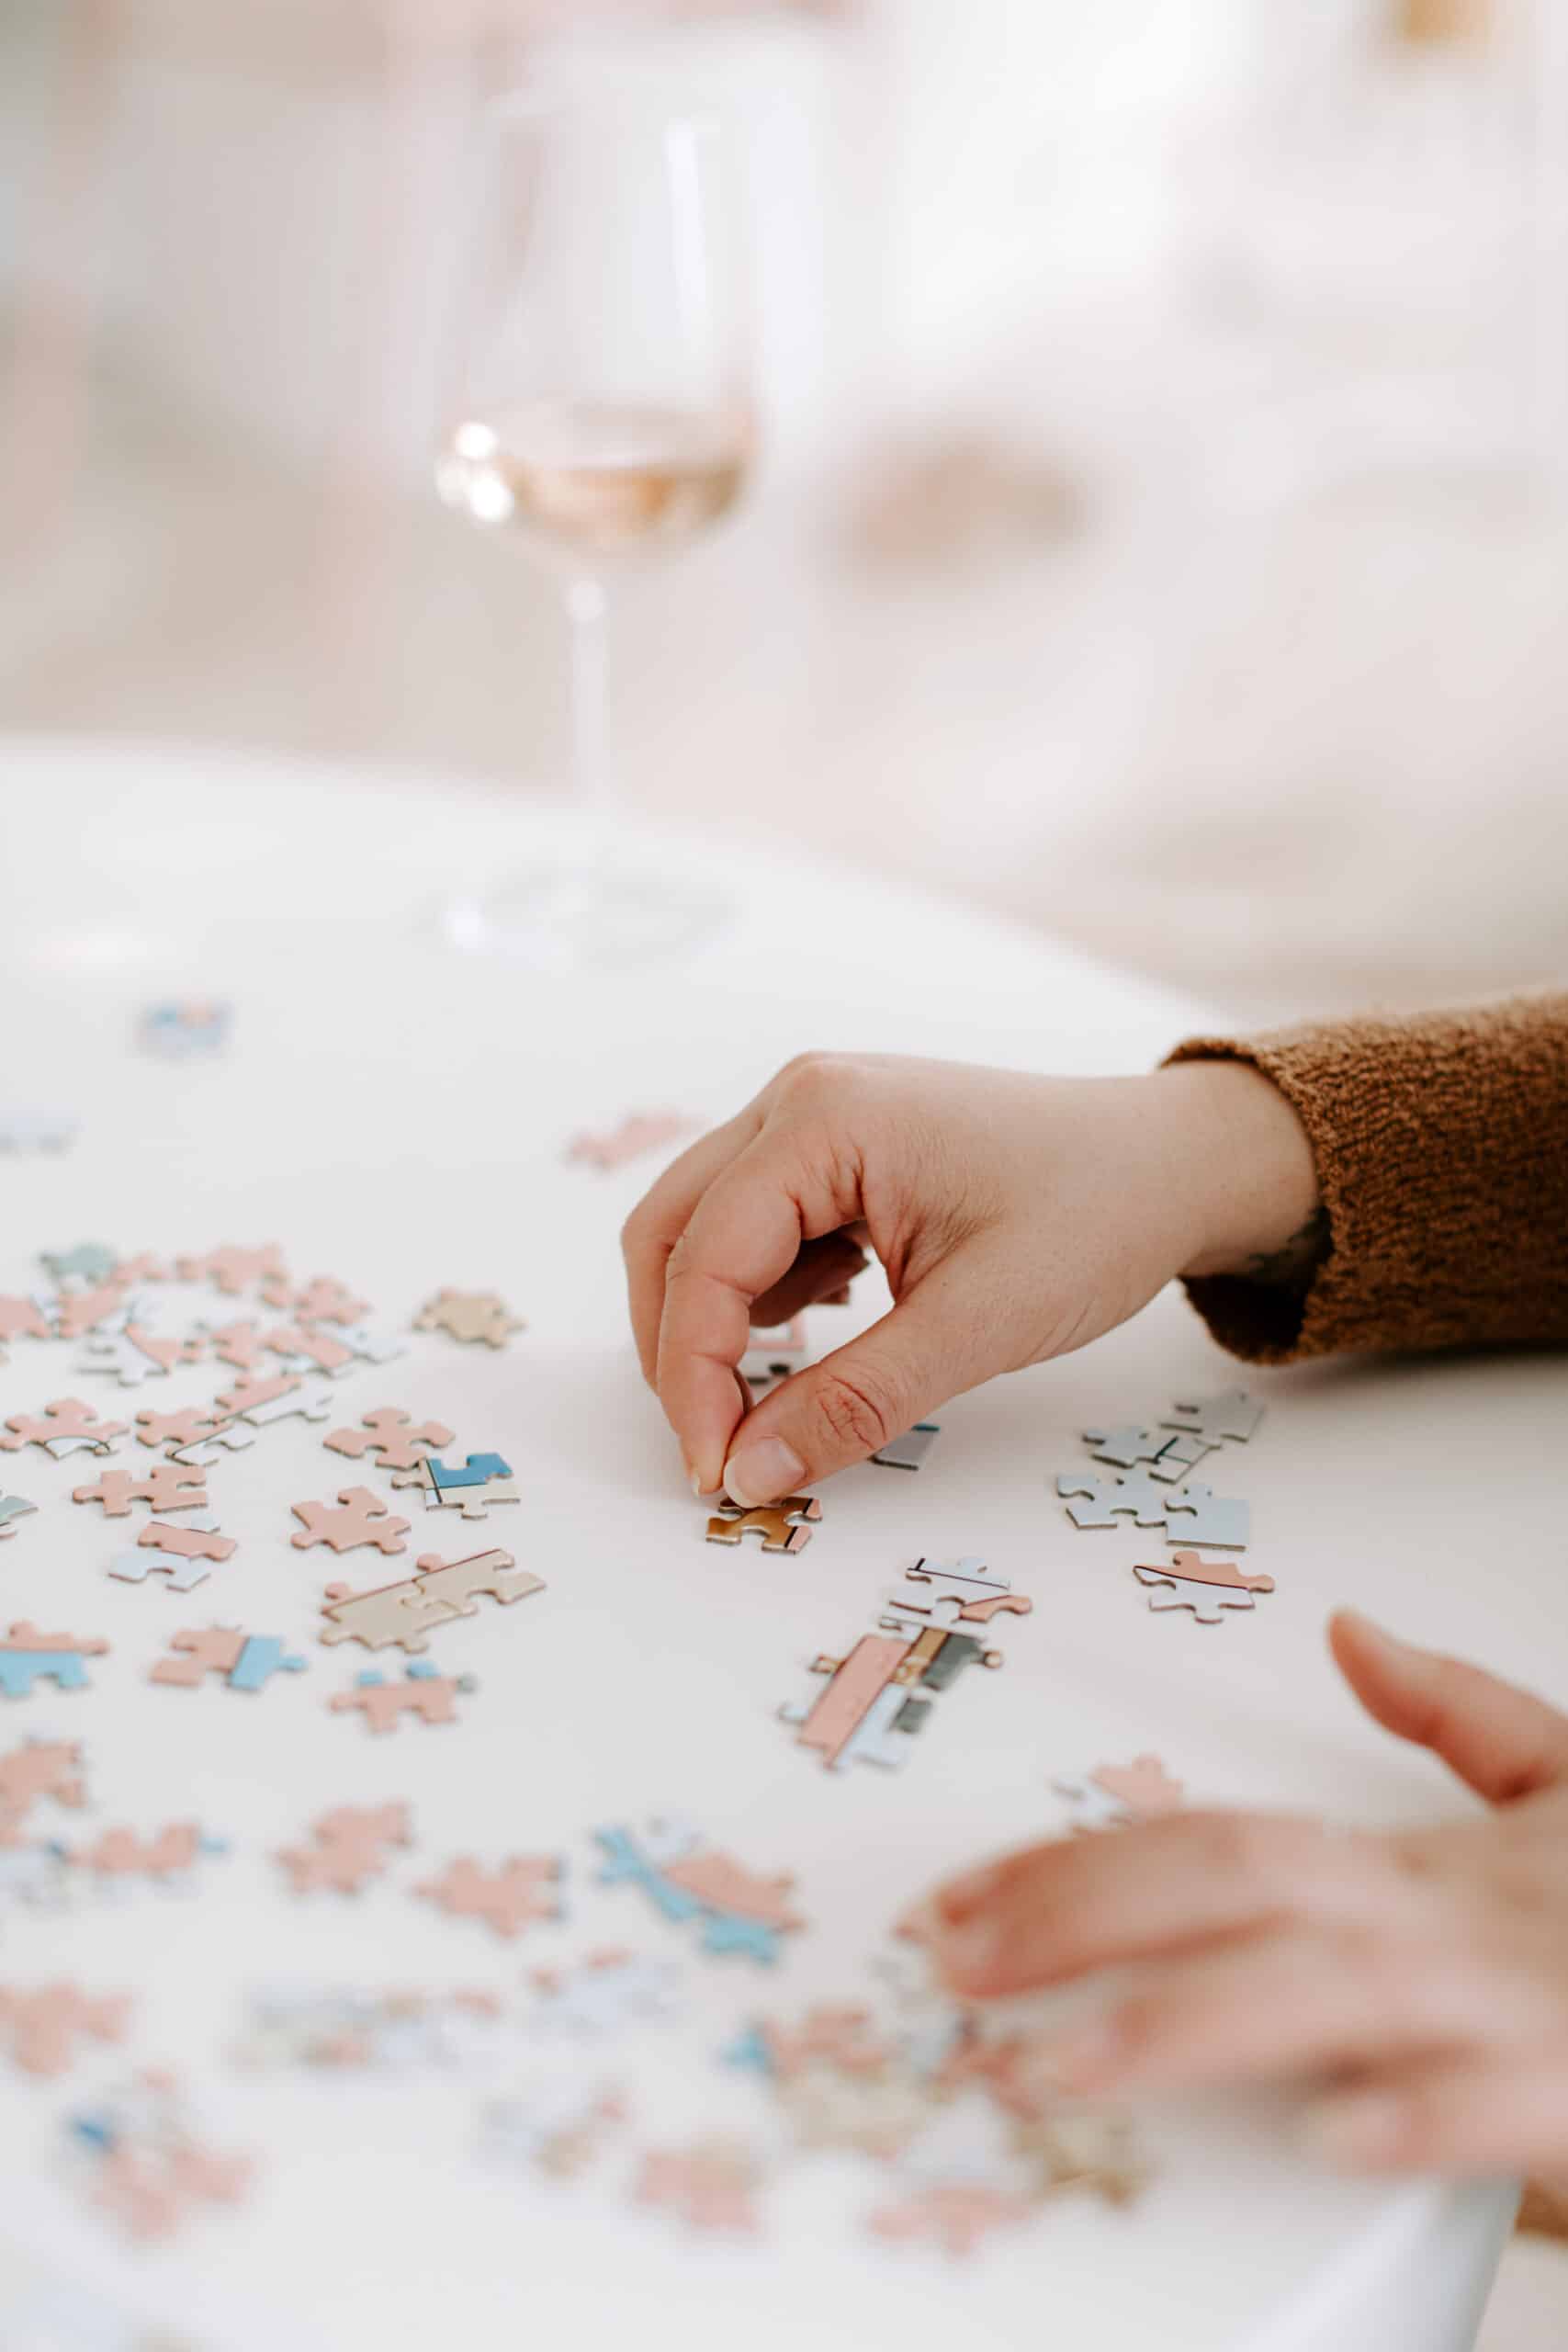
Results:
<point x="964" y="1953"/>
<point x="761" y="1473"/>
<point x="968" y="1893"/>
<point x="1358" y="2128"/>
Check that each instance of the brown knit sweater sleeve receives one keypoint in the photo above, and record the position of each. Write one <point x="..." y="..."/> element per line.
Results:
<point x="1442" y="1143"/>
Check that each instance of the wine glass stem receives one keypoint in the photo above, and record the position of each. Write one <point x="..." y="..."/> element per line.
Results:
<point x="587" y="606"/>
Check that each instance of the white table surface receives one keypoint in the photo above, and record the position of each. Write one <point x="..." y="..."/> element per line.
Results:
<point x="395" y="1114"/>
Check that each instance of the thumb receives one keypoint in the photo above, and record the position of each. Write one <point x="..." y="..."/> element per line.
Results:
<point x="940" y="1339"/>
<point x="1505" y="1743"/>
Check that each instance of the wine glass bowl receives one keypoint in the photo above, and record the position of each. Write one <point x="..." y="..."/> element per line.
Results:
<point x="602" y="414"/>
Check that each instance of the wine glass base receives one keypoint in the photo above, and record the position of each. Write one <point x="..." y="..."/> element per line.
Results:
<point x="570" y="914"/>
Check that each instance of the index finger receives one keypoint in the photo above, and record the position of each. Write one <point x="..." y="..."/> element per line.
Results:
<point x="1061" y="1911"/>
<point x="659" y="1218"/>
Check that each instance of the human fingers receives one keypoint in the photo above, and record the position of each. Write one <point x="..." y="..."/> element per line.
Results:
<point x="1061" y="1910"/>
<point x="1469" y="2112"/>
<point x="1270" y="2004"/>
<point x="742" y="1238"/>
<point x="659" y="1218"/>
<point x="1503" y="1741"/>
<point x="942" y="1337"/>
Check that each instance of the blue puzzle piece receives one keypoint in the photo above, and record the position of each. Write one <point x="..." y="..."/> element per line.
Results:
<point x="477" y="1472"/>
<point x="20" y="1669"/>
<point x="626" y="1859"/>
<point x="93" y="1261"/>
<point x="263" y="1657"/>
<point x="725" y="1932"/>
<point x="749" y="2052"/>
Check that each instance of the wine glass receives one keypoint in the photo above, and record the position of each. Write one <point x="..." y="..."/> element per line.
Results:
<point x="603" y="417"/>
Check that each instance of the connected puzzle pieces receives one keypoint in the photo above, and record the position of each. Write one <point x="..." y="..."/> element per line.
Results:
<point x="783" y="1526"/>
<point x="483" y="1479"/>
<point x="150" y="2166"/>
<point x="687" y="1880"/>
<point x="393" y="1436"/>
<point x="520" y="1891"/>
<point x="68" y="1426"/>
<point x="1103" y="1501"/>
<point x="45" y="2026"/>
<point x="28" y="1657"/>
<point x="245" y="1661"/>
<point x="869" y="1707"/>
<point x="421" y="1693"/>
<point x="472" y="1316"/>
<point x="1208" y="1587"/>
<point x="401" y="1615"/>
<point x="350" y="1847"/>
<point x="360" y="1519"/>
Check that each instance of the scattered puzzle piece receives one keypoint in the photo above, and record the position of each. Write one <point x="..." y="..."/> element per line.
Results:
<point x="957" y="2216"/>
<point x="68" y="1426"/>
<point x="163" y="1485"/>
<point x="133" y="1354"/>
<point x="1107" y="1498"/>
<point x="1127" y="1444"/>
<point x="740" y="1911"/>
<point x="421" y="1693"/>
<point x="13" y="1508"/>
<point x="361" y="1518"/>
<point x="262" y="1402"/>
<point x="1232" y="1415"/>
<point x="557" y="2128"/>
<point x="38" y="1769"/>
<point x="45" y="2026"/>
<point x="1208" y="1518"/>
<point x="393" y="1435"/>
<point x="298" y="1344"/>
<point x="607" y="1993"/>
<point x="469" y="1315"/>
<point x="908" y="1451"/>
<point x="1115" y="1794"/>
<point x="184" y="1553"/>
<point x="782" y="1525"/>
<point x="28" y="1657"/>
<point x="246" y="1661"/>
<point x="518" y="1892"/>
<point x="181" y="1031"/>
<point x="81" y="1311"/>
<point x="172" y="1854"/>
<point x="640" y="1132"/>
<point x="842" y="2038"/>
<point x="321" y="1300"/>
<point x="23" y="1319"/>
<point x="401" y="1615"/>
<point x="239" y="1344"/>
<point x="1231" y="1586"/>
<point x="712" y="2186"/>
<point x="232" y="1271"/>
<point x="149" y="2166"/>
<point x="484" y="1479"/>
<point x="350" y="1848"/>
<point x="186" y="1428"/>
<point x="89" y="1261"/>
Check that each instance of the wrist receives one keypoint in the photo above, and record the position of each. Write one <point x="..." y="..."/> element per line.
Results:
<point x="1256" y="1206"/>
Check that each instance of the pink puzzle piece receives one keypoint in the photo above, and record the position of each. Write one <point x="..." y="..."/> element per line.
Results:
<point x="362" y="1518"/>
<point x="239" y="1344"/>
<point x="120" y="1853"/>
<point x="233" y="1270"/>
<point x="1230" y="1584"/>
<point x="319" y="1347"/>
<point x="1144" y="1788"/>
<point x="392" y="1434"/>
<point x="164" y="1354"/>
<point x="350" y="1848"/>
<point x="641" y="1131"/>
<point x="38" y="1769"/>
<point x="321" y="1301"/>
<point x="187" y="1542"/>
<point x="82" y="1311"/>
<point x="187" y="1428"/>
<point x="163" y="1485"/>
<point x="46" y="2025"/>
<point x="202" y="1650"/>
<point x="509" y="1898"/>
<point x="719" y="1883"/>
<point x="711" y="2187"/>
<point x="958" y="2217"/>
<point x="68" y="1423"/>
<point x="430" y="1696"/>
<point x="23" y="1319"/>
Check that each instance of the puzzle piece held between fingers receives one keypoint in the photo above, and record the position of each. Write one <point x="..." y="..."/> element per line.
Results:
<point x="782" y="1525"/>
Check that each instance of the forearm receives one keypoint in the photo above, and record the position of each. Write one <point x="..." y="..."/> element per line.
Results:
<point x="1440" y="1146"/>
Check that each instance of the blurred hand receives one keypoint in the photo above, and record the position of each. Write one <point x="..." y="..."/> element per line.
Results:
<point x="1424" y="1974"/>
<point x="1016" y="1217"/>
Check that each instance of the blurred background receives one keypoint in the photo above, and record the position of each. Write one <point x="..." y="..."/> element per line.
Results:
<point x="1160" y="528"/>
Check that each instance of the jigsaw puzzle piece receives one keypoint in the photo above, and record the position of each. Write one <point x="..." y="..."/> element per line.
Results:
<point x="908" y="1451"/>
<point x="783" y="1526"/>
<point x="1207" y="1518"/>
<point x="1234" y="1414"/>
<point x="1107" y="1500"/>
